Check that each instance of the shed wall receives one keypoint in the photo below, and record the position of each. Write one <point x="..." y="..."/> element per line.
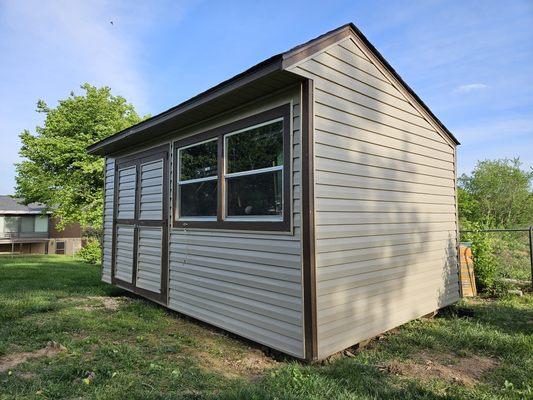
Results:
<point x="246" y="282"/>
<point x="385" y="201"/>
<point x="108" y="219"/>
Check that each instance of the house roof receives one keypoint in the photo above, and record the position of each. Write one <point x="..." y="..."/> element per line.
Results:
<point x="13" y="205"/>
<point x="266" y="76"/>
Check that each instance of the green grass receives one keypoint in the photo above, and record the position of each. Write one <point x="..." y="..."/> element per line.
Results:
<point x="142" y="351"/>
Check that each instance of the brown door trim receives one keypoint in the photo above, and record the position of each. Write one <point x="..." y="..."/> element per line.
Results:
<point x="308" y="223"/>
<point x="137" y="159"/>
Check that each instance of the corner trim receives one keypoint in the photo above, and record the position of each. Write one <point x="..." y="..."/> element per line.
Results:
<point x="308" y="223"/>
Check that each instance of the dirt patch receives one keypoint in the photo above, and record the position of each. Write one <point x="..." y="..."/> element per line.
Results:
<point x="466" y="371"/>
<point x="251" y="364"/>
<point x="13" y="360"/>
<point x="91" y="303"/>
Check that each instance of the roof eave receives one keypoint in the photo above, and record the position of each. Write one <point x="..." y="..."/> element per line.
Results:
<point x="269" y="66"/>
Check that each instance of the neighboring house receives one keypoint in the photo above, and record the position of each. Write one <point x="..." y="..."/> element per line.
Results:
<point x="29" y="229"/>
<point x="308" y="203"/>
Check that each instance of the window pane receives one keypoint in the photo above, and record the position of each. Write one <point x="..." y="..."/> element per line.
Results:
<point x="257" y="194"/>
<point x="199" y="161"/>
<point x="11" y="224"/>
<point x="27" y="224"/>
<point x="41" y="223"/>
<point x="255" y="148"/>
<point x="198" y="199"/>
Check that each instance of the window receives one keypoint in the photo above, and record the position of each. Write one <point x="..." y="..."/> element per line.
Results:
<point x="254" y="171"/>
<point x="197" y="180"/>
<point x="236" y="176"/>
<point x="11" y="224"/>
<point x="27" y="224"/>
<point x="60" y="247"/>
<point x="41" y="223"/>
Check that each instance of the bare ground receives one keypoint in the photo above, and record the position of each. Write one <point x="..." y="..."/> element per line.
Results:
<point x="466" y="371"/>
<point x="12" y="360"/>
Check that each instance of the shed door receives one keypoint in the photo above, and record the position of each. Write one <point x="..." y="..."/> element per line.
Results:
<point x="140" y="225"/>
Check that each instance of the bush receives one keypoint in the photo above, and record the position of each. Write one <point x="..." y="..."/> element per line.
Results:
<point x="485" y="264"/>
<point x="91" y="252"/>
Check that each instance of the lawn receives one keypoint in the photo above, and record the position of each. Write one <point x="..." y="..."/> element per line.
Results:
<point x="82" y="339"/>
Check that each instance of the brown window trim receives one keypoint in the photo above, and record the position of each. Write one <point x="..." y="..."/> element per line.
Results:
<point x="284" y="225"/>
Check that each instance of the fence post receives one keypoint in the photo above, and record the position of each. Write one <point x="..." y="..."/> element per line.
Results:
<point x="531" y="251"/>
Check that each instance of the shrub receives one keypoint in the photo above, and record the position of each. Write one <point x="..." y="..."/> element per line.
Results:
<point x="485" y="264"/>
<point x="91" y="252"/>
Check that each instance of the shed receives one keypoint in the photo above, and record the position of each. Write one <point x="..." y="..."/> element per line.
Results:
<point x="307" y="204"/>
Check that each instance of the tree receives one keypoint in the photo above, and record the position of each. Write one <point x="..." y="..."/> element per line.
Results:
<point x="497" y="193"/>
<point x="56" y="169"/>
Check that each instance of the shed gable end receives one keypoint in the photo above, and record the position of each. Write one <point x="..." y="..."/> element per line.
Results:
<point x="351" y="65"/>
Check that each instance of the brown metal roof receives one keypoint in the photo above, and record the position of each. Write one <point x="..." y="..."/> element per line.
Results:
<point x="267" y="76"/>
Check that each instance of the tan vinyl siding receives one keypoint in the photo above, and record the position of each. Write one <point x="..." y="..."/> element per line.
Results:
<point x="385" y="201"/>
<point x="149" y="258"/>
<point x="246" y="282"/>
<point x="151" y="185"/>
<point x="126" y="193"/>
<point x="108" y="219"/>
<point x="124" y="253"/>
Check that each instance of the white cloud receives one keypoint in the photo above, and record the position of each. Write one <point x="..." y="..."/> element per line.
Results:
<point x="470" y="87"/>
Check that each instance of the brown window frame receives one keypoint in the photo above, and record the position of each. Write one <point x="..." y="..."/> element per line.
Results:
<point x="283" y="225"/>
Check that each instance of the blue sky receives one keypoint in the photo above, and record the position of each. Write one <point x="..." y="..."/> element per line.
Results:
<point x="470" y="61"/>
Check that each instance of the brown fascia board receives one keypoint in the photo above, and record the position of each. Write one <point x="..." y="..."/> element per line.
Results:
<point x="276" y="63"/>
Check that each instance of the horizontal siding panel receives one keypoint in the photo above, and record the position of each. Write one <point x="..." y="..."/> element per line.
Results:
<point x="343" y="218"/>
<point x="374" y="84"/>
<point x="350" y="243"/>
<point x="238" y="288"/>
<point x="412" y="144"/>
<point x="329" y="112"/>
<point x="288" y="319"/>
<point x="383" y="270"/>
<point x="263" y="244"/>
<point x="259" y="270"/>
<point x="256" y="333"/>
<point x="374" y="325"/>
<point x="333" y="100"/>
<point x="368" y="289"/>
<point x="316" y="69"/>
<point x="283" y="260"/>
<point x="354" y="181"/>
<point x="347" y="205"/>
<point x="343" y="192"/>
<point x="357" y="157"/>
<point x="356" y="59"/>
<point x="354" y="148"/>
<point x="107" y="241"/>
<point x="355" y="255"/>
<point x="329" y="231"/>
<point x="283" y="288"/>
<point x="356" y="169"/>
<point x="372" y="322"/>
<point x="355" y="301"/>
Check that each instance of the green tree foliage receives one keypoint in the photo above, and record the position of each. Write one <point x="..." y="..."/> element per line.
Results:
<point x="498" y="193"/>
<point x="56" y="169"/>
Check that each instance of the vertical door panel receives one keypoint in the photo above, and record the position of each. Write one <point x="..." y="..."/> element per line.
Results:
<point x="127" y="180"/>
<point x="124" y="253"/>
<point x="151" y="201"/>
<point x="149" y="258"/>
